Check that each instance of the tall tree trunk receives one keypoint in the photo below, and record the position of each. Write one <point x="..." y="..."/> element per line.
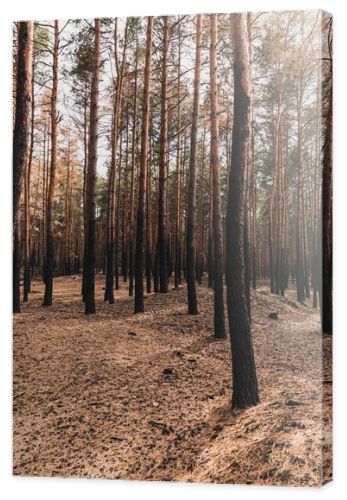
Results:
<point x="48" y="298"/>
<point x="326" y="287"/>
<point x="148" y="229"/>
<point x="68" y="221"/>
<point x="85" y="168"/>
<point x="219" y="326"/>
<point x="163" y="167"/>
<point x="44" y="196"/>
<point x="178" y="249"/>
<point x="300" y="278"/>
<point x="200" y="253"/>
<point x="117" y="211"/>
<point x="125" y="206"/>
<point x="190" y="230"/>
<point x="111" y="210"/>
<point x="140" y="237"/>
<point x="27" y="178"/>
<point x="132" y="183"/>
<point x="210" y="237"/>
<point x="20" y="141"/>
<point x="90" y="248"/>
<point x="245" y="387"/>
<point x="254" y="212"/>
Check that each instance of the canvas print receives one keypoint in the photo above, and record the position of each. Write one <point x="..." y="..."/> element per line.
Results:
<point x="172" y="248"/>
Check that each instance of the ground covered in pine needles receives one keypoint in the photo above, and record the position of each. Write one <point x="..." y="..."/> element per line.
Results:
<point x="147" y="396"/>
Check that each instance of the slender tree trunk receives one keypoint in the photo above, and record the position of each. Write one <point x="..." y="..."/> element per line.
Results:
<point x="90" y="257"/>
<point x="254" y="213"/>
<point x="300" y="281"/>
<point x="111" y="210"/>
<point x="68" y="221"/>
<point x="125" y="206"/>
<point x="20" y="141"/>
<point x="163" y="168"/>
<point x="85" y="167"/>
<point x="44" y="197"/>
<point x="326" y="287"/>
<point x="48" y="298"/>
<point x="178" y="249"/>
<point x="27" y="225"/>
<point x="132" y="183"/>
<point x="190" y="230"/>
<point x="210" y="238"/>
<point x="117" y="212"/>
<point x="140" y="237"/>
<point x="200" y="259"/>
<point x="219" y="326"/>
<point x="245" y="387"/>
<point x="148" y="230"/>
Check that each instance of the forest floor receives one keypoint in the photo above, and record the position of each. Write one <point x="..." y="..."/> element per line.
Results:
<point x="147" y="396"/>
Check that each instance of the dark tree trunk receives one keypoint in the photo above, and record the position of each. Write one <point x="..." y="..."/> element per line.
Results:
<point x="20" y="141"/>
<point x="111" y="245"/>
<point x="27" y="222"/>
<point x="148" y="231"/>
<point x="190" y="230"/>
<point x="327" y="216"/>
<point x="48" y="298"/>
<point x="210" y="239"/>
<point x="85" y="167"/>
<point x="178" y="249"/>
<point x="140" y="236"/>
<point x="254" y="213"/>
<point x="163" y="159"/>
<point x="132" y="184"/>
<point x="245" y="387"/>
<point x="219" y="326"/>
<point x="90" y="257"/>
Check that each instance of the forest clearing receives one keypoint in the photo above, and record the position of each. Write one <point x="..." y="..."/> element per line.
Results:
<point x="120" y="396"/>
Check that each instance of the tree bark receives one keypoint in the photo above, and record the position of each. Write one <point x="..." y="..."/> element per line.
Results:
<point x="190" y="229"/>
<point x="327" y="214"/>
<point x="20" y="141"/>
<point x="48" y="298"/>
<point x="27" y="223"/>
<point x="178" y="249"/>
<point x="245" y="387"/>
<point x="90" y="248"/>
<point x="132" y="183"/>
<point x="219" y="326"/>
<point x="111" y="210"/>
<point x="140" y="237"/>
<point x="163" y="167"/>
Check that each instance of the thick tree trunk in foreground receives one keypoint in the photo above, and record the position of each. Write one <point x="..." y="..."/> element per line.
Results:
<point x="163" y="159"/>
<point x="48" y="298"/>
<point x="219" y="327"/>
<point x="90" y="247"/>
<point x="20" y="141"/>
<point x="190" y="231"/>
<point x="140" y="236"/>
<point x="245" y="387"/>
